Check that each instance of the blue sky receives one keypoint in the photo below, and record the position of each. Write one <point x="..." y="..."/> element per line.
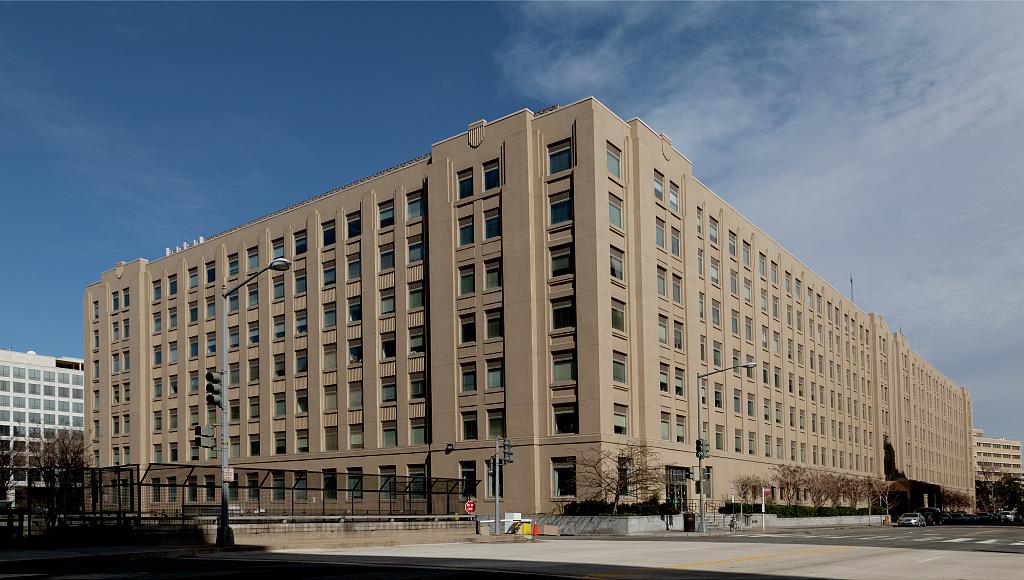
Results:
<point x="876" y="139"/>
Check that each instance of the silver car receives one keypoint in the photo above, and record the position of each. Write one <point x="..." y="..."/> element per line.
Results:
<point x="911" y="519"/>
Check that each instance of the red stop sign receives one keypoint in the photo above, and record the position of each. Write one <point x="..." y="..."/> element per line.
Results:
<point x="470" y="506"/>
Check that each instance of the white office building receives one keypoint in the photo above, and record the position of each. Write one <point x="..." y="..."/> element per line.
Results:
<point x="38" y="393"/>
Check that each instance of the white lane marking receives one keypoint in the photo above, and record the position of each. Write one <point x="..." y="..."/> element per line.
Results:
<point x="1017" y="544"/>
<point x="957" y="540"/>
<point x="986" y="541"/>
<point x="928" y="559"/>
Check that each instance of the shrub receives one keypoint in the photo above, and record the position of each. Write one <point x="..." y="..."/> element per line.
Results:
<point x="799" y="511"/>
<point x="598" y="507"/>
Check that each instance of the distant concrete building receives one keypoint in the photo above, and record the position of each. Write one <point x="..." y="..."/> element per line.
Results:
<point x="39" y="394"/>
<point x="558" y="277"/>
<point x="996" y="457"/>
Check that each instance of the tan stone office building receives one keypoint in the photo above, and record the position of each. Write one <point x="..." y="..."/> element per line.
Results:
<point x="559" y="276"/>
<point x="995" y="457"/>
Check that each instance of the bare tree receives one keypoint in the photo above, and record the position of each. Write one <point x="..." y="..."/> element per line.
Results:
<point x="11" y="459"/>
<point x="789" y="479"/>
<point x="882" y="493"/>
<point x="748" y="487"/>
<point x="956" y="501"/>
<point x="818" y="486"/>
<point x="853" y="488"/>
<point x="631" y="470"/>
<point x="834" y="490"/>
<point x="59" y="460"/>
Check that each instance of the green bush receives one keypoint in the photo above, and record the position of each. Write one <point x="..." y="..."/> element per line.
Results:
<point x="597" y="507"/>
<point x="799" y="511"/>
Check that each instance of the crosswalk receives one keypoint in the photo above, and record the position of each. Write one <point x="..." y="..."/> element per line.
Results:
<point x="891" y="538"/>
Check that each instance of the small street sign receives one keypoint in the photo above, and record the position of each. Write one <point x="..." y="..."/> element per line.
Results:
<point x="229" y="474"/>
<point x="470" y="507"/>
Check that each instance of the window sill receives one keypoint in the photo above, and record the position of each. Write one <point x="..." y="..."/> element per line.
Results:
<point x="558" y="175"/>
<point x="560" y="226"/>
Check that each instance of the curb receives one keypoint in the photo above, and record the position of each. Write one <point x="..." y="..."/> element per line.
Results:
<point x="126" y="556"/>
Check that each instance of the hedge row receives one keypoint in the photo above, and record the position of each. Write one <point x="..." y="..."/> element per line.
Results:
<point x="799" y="511"/>
<point x="596" y="507"/>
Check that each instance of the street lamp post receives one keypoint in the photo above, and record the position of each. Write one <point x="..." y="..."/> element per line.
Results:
<point x="225" y="537"/>
<point x="701" y="444"/>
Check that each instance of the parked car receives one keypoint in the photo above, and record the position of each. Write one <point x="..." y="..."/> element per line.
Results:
<point x="931" y="515"/>
<point x="1005" y="516"/>
<point x="986" y="518"/>
<point x="912" y="519"/>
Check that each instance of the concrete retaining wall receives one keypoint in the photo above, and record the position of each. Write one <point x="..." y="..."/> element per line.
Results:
<point x="280" y="531"/>
<point x="777" y="522"/>
<point x="629" y="525"/>
<point x="605" y="525"/>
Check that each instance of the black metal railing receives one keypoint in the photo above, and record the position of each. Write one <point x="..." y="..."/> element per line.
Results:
<point x="122" y="496"/>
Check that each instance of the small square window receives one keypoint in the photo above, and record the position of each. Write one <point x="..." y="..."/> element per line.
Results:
<point x="492" y="176"/>
<point x="466" y="231"/>
<point x="559" y="157"/>
<point x="387" y="214"/>
<point x="492" y="224"/>
<point x="465" y="184"/>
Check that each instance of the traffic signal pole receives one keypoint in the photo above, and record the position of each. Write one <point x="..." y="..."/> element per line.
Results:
<point x="702" y="446"/>
<point x="496" y="474"/>
<point x="225" y="537"/>
<point x="700" y="453"/>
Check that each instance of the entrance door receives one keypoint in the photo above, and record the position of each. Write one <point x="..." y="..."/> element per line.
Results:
<point x="676" y="487"/>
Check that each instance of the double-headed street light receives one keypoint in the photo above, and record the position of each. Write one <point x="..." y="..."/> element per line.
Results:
<point x="702" y="446"/>
<point x="225" y="537"/>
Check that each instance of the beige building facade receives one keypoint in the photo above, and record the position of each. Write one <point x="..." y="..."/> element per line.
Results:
<point x="557" y="277"/>
<point x="995" y="457"/>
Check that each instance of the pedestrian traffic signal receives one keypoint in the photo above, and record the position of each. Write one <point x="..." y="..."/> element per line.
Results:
<point x="213" y="388"/>
<point x="508" y="451"/>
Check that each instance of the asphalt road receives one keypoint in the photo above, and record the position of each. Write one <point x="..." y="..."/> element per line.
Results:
<point x="855" y="554"/>
<point x="1008" y="539"/>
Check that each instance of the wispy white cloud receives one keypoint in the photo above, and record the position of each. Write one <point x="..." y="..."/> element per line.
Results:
<point x="878" y="139"/>
<point x="121" y="173"/>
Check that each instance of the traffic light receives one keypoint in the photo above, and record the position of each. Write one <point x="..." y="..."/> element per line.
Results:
<point x="508" y="451"/>
<point x="204" y="437"/>
<point x="213" y="386"/>
<point x="702" y="451"/>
